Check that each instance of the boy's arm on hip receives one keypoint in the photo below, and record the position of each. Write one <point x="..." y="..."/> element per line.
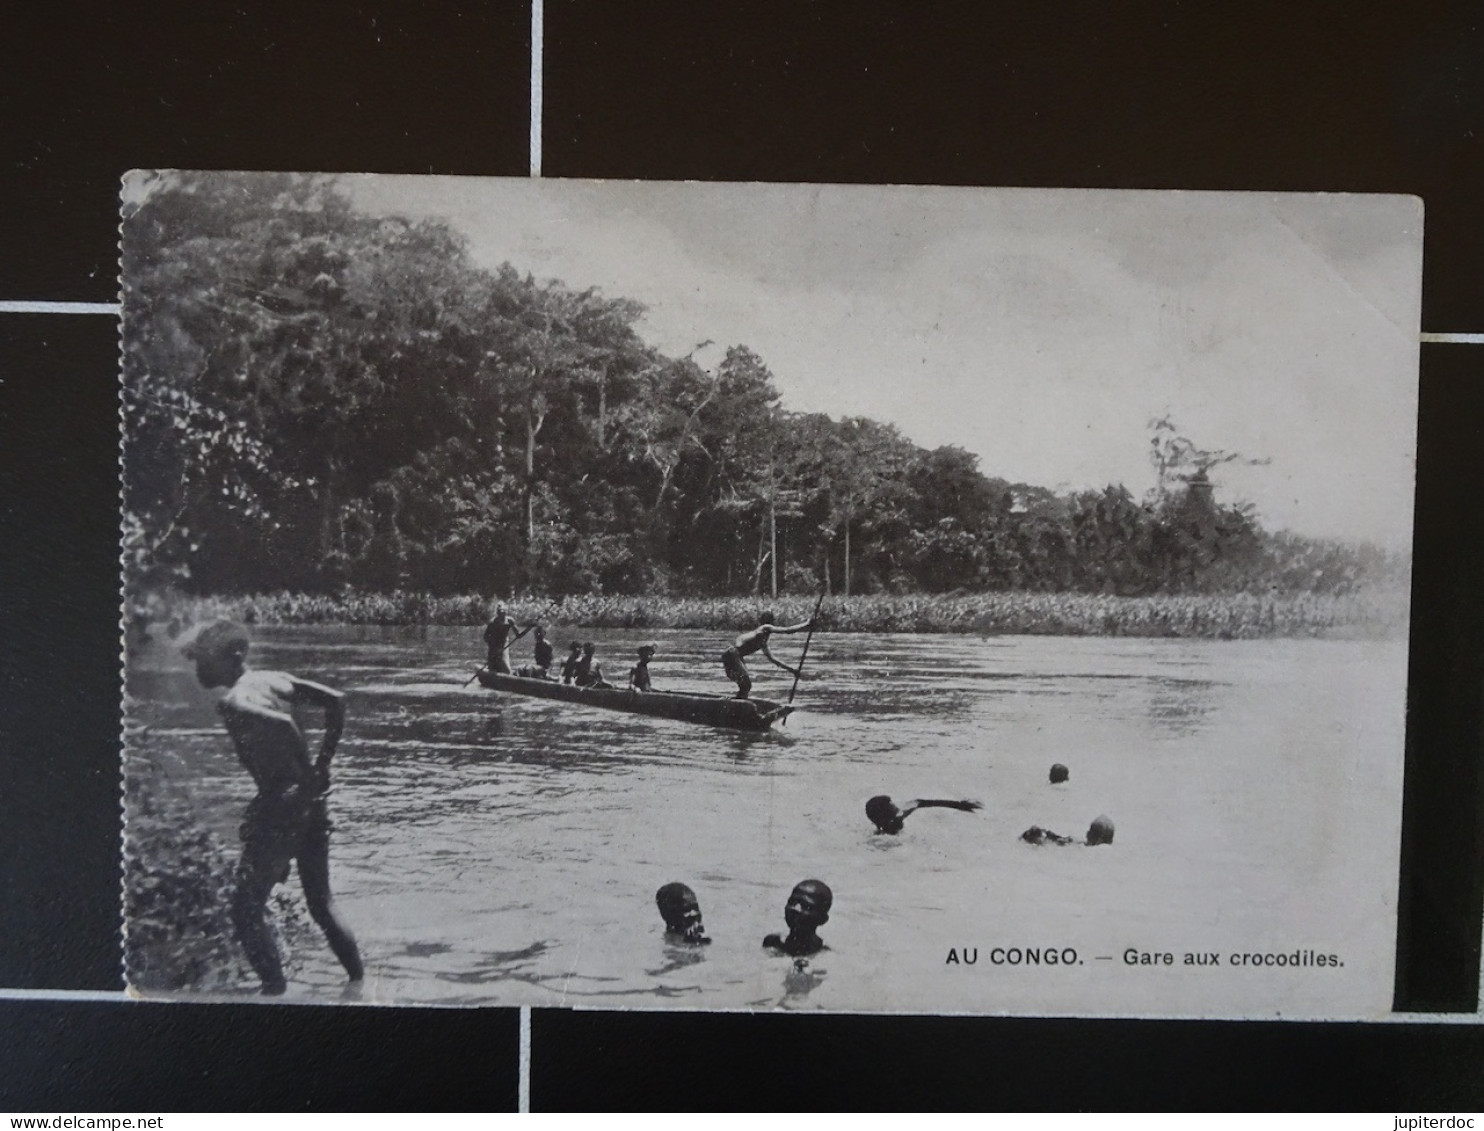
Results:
<point x="333" y="704"/>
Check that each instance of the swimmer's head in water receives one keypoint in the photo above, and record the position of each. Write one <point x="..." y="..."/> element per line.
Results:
<point x="1059" y="774"/>
<point x="1100" y="831"/>
<point x="219" y="649"/>
<point x="884" y="814"/>
<point x="808" y="906"/>
<point x="681" y="912"/>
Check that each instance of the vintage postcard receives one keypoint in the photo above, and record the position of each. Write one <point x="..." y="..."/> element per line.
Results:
<point x="744" y="596"/>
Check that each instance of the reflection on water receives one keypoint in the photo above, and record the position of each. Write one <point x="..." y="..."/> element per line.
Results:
<point x="799" y="983"/>
<point x="489" y="848"/>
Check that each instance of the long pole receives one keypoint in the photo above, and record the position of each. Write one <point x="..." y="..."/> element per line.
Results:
<point x="804" y="655"/>
<point x="773" y="535"/>
<point x="534" y="621"/>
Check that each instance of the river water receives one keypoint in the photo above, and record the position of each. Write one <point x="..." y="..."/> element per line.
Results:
<point x="496" y="850"/>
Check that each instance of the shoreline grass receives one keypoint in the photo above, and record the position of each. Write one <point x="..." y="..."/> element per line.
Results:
<point x="177" y="886"/>
<point x="1238" y="616"/>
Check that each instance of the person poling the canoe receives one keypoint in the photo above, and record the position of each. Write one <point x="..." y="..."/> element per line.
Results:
<point x="889" y="818"/>
<point x="756" y="640"/>
<point x="499" y="635"/>
<point x="498" y="638"/>
<point x="639" y="673"/>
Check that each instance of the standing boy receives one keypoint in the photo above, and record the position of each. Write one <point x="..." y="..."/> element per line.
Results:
<point x="288" y="820"/>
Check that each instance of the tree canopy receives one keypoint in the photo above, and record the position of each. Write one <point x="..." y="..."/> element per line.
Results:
<point x="315" y="397"/>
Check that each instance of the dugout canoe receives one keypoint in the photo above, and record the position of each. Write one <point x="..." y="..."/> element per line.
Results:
<point x="708" y="710"/>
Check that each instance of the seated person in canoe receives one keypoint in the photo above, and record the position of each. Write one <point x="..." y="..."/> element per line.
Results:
<point x="541" y="657"/>
<point x="639" y="673"/>
<point x="589" y="673"/>
<point x="569" y="665"/>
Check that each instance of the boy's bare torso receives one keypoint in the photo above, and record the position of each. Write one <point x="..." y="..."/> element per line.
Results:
<point x="258" y="712"/>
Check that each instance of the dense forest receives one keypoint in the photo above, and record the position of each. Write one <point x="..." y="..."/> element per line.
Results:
<point x="316" y="398"/>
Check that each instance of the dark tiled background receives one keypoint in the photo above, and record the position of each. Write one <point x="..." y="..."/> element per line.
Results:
<point x="1142" y="94"/>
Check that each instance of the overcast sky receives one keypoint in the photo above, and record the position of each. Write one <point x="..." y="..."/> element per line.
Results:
<point x="1040" y="329"/>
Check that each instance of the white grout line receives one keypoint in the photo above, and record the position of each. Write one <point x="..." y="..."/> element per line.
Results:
<point x="1454" y="339"/>
<point x="537" y="53"/>
<point x="64" y="995"/>
<point x="17" y="306"/>
<point x="525" y="1046"/>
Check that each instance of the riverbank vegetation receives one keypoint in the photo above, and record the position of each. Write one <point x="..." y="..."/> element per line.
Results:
<point x="1373" y="613"/>
<point x="344" y="410"/>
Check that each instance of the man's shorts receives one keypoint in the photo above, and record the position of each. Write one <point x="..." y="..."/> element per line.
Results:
<point x="276" y="830"/>
<point x="731" y="662"/>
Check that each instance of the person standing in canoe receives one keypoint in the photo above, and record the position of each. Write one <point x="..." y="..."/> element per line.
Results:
<point x="497" y="638"/>
<point x="756" y="640"/>
<point x="288" y="821"/>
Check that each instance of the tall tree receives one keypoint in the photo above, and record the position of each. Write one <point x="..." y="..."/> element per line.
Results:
<point x="544" y="342"/>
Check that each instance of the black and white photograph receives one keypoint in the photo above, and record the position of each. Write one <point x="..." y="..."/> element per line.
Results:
<point x="723" y="596"/>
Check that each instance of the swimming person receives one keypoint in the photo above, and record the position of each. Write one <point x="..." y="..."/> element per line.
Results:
<point x="888" y="818"/>
<point x="753" y="641"/>
<point x="639" y="673"/>
<point x="497" y="640"/>
<point x="682" y="915"/>
<point x="569" y="665"/>
<point x="1037" y="835"/>
<point x="807" y="910"/>
<point x="288" y="820"/>
<point x="1099" y="832"/>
